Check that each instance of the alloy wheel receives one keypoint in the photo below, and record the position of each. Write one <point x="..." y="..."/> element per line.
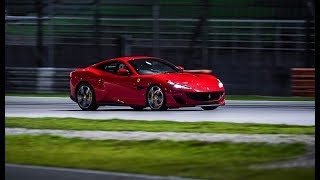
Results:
<point x="86" y="97"/>
<point x="156" y="98"/>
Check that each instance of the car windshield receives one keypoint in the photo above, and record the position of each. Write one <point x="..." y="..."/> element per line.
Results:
<point x="152" y="66"/>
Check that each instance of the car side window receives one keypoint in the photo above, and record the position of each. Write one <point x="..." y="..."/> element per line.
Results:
<point x="112" y="67"/>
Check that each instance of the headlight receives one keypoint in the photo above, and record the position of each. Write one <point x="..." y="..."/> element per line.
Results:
<point x="178" y="86"/>
<point x="220" y="84"/>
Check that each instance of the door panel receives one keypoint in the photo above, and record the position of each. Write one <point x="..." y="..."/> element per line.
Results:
<point x="120" y="88"/>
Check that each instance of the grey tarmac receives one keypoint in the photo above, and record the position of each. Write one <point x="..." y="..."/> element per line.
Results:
<point x="23" y="172"/>
<point x="265" y="112"/>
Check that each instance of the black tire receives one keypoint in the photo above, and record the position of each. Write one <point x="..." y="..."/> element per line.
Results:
<point x="85" y="97"/>
<point x="153" y="101"/>
<point x="137" y="108"/>
<point x="209" y="107"/>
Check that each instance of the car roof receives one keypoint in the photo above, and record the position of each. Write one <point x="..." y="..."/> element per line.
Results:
<point x="124" y="59"/>
<point x="128" y="58"/>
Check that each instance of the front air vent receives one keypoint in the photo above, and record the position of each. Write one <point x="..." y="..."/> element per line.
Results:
<point x="179" y="100"/>
<point x="207" y="96"/>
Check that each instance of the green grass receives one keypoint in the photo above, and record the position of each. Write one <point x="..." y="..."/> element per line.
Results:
<point x="154" y="126"/>
<point x="229" y="97"/>
<point x="186" y="159"/>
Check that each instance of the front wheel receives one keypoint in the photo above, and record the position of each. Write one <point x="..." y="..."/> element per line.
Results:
<point x="86" y="98"/>
<point x="209" y="107"/>
<point x="156" y="98"/>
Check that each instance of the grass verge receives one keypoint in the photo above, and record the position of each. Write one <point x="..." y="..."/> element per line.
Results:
<point x="186" y="159"/>
<point x="229" y="97"/>
<point x="154" y="126"/>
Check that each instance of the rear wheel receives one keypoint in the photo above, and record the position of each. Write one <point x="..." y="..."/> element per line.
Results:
<point x="86" y="98"/>
<point x="156" y="99"/>
<point x="209" y="107"/>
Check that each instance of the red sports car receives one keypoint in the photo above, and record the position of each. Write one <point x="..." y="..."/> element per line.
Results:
<point x="140" y="82"/>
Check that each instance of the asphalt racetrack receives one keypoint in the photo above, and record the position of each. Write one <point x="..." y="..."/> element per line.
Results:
<point x="266" y="112"/>
<point x="22" y="172"/>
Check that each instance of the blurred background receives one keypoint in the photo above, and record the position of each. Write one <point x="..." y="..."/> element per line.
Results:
<point x="251" y="45"/>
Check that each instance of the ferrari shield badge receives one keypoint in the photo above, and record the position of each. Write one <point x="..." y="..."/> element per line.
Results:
<point x="138" y="80"/>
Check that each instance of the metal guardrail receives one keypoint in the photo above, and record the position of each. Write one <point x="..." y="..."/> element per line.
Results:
<point x="37" y="80"/>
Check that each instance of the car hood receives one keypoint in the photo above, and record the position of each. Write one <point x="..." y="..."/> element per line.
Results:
<point x="198" y="82"/>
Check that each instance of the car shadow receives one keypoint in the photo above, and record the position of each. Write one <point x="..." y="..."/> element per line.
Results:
<point x="131" y="110"/>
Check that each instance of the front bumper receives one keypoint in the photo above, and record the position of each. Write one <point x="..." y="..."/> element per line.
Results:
<point x="184" y="99"/>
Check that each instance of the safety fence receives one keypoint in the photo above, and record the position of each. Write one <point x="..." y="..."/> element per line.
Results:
<point x="195" y="31"/>
<point x="245" y="34"/>
<point x="303" y="82"/>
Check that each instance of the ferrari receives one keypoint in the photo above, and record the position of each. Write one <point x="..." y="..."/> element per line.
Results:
<point x="141" y="82"/>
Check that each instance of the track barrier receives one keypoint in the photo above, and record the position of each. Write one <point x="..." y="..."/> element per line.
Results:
<point x="303" y="82"/>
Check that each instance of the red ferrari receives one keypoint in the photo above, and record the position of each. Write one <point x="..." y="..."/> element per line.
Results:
<point x="140" y="82"/>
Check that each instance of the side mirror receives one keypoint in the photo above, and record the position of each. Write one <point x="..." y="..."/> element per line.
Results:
<point x="180" y="68"/>
<point x="123" y="72"/>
